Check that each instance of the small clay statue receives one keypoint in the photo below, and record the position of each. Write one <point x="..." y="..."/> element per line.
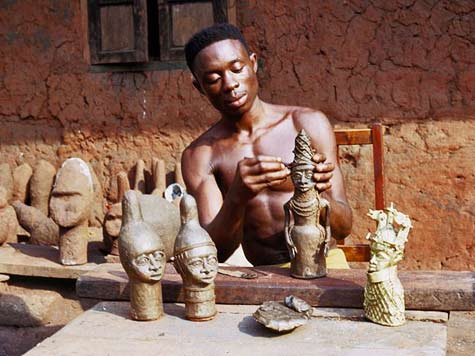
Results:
<point x="8" y="219"/>
<point x="306" y="239"/>
<point x="41" y="183"/>
<point x="42" y="229"/>
<point x="70" y="207"/>
<point x="197" y="262"/>
<point x="384" y="294"/>
<point x="143" y="258"/>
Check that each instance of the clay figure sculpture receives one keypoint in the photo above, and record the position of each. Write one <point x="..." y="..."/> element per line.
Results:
<point x="384" y="294"/>
<point x="21" y="182"/>
<point x="70" y="207"/>
<point x="306" y="239"/>
<point x="41" y="183"/>
<point x="42" y="229"/>
<point x="8" y="219"/>
<point x="142" y="255"/>
<point x="197" y="262"/>
<point x="6" y="180"/>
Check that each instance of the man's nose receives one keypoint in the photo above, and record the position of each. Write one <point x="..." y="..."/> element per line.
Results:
<point x="230" y="82"/>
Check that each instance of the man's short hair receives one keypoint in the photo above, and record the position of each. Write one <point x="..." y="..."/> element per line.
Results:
<point x="210" y="35"/>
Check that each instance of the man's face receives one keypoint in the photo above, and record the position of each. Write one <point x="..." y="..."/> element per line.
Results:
<point x="226" y="74"/>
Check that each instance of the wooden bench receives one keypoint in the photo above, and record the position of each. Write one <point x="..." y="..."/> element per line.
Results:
<point x="371" y="136"/>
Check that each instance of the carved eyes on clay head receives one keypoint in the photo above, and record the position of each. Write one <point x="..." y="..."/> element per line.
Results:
<point x="199" y="262"/>
<point x="146" y="259"/>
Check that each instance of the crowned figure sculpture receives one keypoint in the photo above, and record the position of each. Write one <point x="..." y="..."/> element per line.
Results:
<point x="384" y="294"/>
<point x="307" y="240"/>
<point x="195" y="258"/>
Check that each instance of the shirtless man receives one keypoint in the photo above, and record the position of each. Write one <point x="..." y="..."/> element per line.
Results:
<point x="236" y="170"/>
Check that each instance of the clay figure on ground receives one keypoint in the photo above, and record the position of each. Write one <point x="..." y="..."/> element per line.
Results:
<point x="195" y="258"/>
<point x="236" y="170"/>
<point x="8" y="219"/>
<point x="70" y="207"/>
<point x="142" y="255"/>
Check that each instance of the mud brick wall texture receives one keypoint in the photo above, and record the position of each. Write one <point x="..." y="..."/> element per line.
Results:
<point x="409" y="64"/>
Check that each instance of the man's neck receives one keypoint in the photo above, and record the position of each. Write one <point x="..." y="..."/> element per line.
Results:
<point x="251" y="120"/>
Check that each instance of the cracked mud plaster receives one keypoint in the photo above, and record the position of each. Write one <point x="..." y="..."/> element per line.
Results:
<point x="403" y="62"/>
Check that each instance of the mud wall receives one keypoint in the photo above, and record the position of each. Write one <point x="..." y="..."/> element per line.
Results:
<point x="409" y="64"/>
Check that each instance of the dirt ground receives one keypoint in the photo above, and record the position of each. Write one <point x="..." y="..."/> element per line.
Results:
<point x="18" y="340"/>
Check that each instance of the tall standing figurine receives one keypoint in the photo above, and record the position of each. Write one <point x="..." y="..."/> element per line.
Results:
<point x="197" y="262"/>
<point x="384" y="294"/>
<point x="70" y="207"/>
<point x="306" y="239"/>
<point x="142" y="255"/>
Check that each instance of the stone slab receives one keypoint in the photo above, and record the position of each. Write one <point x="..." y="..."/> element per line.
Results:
<point x="434" y="290"/>
<point x="106" y="329"/>
<point x="27" y="309"/>
<point x="461" y="333"/>
<point x="43" y="261"/>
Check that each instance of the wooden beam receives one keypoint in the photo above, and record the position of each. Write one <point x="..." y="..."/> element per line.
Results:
<point x="432" y="290"/>
<point x="353" y="136"/>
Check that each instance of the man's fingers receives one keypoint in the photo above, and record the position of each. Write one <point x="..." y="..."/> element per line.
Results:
<point x="263" y="167"/>
<point x="260" y="158"/>
<point x="273" y="183"/>
<point x="269" y="177"/>
<point x="325" y="167"/>
<point x="322" y="177"/>
<point x="319" y="157"/>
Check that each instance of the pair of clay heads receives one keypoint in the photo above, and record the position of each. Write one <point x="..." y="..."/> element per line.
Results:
<point x="142" y="255"/>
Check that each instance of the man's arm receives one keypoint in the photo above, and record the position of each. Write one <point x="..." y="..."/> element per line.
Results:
<point x="328" y="174"/>
<point x="223" y="218"/>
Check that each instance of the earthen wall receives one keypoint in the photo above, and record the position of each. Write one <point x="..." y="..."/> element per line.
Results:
<point x="407" y="63"/>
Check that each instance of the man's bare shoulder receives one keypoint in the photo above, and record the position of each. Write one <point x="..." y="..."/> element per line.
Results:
<point x="311" y="120"/>
<point x="200" y="151"/>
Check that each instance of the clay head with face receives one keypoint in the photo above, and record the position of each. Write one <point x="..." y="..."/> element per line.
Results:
<point x="72" y="195"/>
<point x="195" y="253"/>
<point x="141" y="250"/>
<point x="303" y="167"/>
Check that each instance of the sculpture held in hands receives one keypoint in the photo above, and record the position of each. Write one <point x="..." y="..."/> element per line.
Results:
<point x="307" y="240"/>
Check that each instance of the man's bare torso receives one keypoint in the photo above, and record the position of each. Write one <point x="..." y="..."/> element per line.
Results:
<point x="263" y="240"/>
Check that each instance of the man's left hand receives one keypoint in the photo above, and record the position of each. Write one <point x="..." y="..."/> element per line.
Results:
<point x="323" y="172"/>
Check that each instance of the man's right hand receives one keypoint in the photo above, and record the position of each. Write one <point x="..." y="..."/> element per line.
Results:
<point x="254" y="174"/>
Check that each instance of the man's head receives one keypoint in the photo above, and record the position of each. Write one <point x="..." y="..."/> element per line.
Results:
<point x="224" y="69"/>
<point x="210" y="35"/>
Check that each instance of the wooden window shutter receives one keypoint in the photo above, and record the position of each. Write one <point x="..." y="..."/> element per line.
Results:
<point x="180" y="19"/>
<point x="117" y="31"/>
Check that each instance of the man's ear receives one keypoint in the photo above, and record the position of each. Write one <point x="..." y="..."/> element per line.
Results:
<point x="253" y="58"/>
<point x="197" y="85"/>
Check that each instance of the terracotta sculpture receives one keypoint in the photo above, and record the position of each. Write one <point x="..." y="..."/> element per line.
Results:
<point x="21" y="182"/>
<point x="162" y="216"/>
<point x="42" y="229"/>
<point x="8" y="219"/>
<point x="70" y="207"/>
<point x="306" y="239"/>
<point x="197" y="262"/>
<point x="6" y="180"/>
<point x="143" y="258"/>
<point x="41" y="183"/>
<point x="384" y="294"/>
